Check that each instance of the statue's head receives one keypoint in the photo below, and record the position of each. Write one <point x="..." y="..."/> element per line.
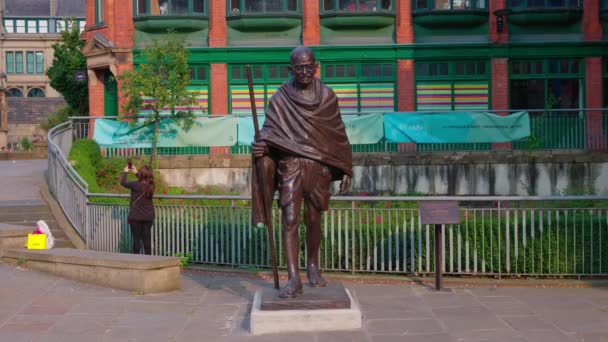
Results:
<point x="303" y="65"/>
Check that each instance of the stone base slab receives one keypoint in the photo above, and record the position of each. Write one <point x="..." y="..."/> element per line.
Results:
<point x="285" y="321"/>
<point x="138" y="273"/>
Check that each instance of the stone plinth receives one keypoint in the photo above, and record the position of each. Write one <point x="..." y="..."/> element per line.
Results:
<point x="137" y="273"/>
<point x="319" y="309"/>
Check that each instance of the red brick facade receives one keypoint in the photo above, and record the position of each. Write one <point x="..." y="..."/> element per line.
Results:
<point x="406" y="94"/>
<point x="596" y="140"/>
<point x="500" y="92"/>
<point x="496" y="37"/>
<point x="217" y="23"/>
<point x="405" y="29"/>
<point x="311" y="26"/>
<point x="592" y="27"/>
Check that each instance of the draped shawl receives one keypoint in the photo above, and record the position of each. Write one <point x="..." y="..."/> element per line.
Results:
<point x="310" y="128"/>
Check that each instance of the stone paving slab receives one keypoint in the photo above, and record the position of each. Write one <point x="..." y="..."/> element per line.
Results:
<point x="215" y="307"/>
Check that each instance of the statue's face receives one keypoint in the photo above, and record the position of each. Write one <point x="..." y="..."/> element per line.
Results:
<point x="303" y="68"/>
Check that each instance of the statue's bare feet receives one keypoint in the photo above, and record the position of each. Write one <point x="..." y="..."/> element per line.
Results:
<point x="314" y="277"/>
<point x="292" y="289"/>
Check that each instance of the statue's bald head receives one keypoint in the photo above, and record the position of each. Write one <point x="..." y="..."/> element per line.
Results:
<point x="303" y="66"/>
<point x="301" y="51"/>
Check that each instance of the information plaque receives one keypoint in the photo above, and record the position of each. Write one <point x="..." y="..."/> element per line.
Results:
<point x="439" y="213"/>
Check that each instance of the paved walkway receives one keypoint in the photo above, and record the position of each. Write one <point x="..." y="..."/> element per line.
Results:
<point x="212" y="307"/>
<point x="20" y="180"/>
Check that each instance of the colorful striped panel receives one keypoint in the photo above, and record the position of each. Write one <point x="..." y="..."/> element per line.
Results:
<point x="347" y="96"/>
<point x="377" y="97"/>
<point x="434" y="96"/>
<point x="471" y="95"/>
<point x="202" y="100"/>
<point x="240" y="102"/>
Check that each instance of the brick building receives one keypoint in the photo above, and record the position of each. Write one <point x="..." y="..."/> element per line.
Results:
<point x="29" y="28"/>
<point x="377" y="55"/>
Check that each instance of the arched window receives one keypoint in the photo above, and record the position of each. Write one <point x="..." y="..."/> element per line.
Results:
<point x="14" y="92"/>
<point x="35" y="92"/>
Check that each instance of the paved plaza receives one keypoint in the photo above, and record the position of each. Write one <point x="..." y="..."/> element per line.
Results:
<point x="215" y="307"/>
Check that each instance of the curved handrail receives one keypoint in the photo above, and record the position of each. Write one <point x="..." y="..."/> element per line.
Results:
<point x="52" y="133"/>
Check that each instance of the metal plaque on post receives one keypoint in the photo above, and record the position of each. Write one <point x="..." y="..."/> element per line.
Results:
<point x="439" y="213"/>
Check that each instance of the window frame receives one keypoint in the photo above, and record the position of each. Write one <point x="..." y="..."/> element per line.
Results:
<point x="357" y="11"/>
<point x="29" y="62"/>
<point x="148" y="12"/>
<point x="545" y="75"/>
<point x="10" y="69"/>
<point x="430" y="6"/>
<point x="525" y="5"/>
<point x="284" y="11"/>
<point x="99" y="15"/>
<point x="27" y="23"/>
<point x="265" y="80"/>
<point x="19" y="62"/>
<point x="452" y="77"/>
<point x="34" y="89"/>
<point x="10" y="90"/>
<point x="359" y="78"/>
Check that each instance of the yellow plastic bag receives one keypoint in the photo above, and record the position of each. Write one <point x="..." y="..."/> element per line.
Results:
<point x="36" y="241"/>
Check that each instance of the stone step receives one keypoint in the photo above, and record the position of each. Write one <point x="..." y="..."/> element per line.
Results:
<point x="27" y="214"/>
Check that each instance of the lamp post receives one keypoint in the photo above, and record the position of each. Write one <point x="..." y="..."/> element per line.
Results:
<point x="3" y="112"/>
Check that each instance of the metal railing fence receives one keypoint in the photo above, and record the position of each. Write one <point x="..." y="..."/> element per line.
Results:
<point x="560" y="235"/>
<point x="555" y="129"/>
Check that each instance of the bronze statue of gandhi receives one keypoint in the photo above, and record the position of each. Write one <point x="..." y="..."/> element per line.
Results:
<point x="303" y="148"/>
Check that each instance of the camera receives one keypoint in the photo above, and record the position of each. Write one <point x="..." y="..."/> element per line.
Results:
<point x="129" y="163"/>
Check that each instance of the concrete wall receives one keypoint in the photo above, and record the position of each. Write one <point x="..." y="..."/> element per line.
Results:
<point x="491" y="173"/>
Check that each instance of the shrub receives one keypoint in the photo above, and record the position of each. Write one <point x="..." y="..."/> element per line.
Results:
<point x="62" y="115"/>
<point x="85" y="156"/>
<point x="26" y="144"/>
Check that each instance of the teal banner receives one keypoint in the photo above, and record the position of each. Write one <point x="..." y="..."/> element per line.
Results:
<point x="455" y="127"/>
<point x="361" y="129"/>
<point x="364" y="129"/>
<point x="217" y="131"/>
<point x="246" y="130"/>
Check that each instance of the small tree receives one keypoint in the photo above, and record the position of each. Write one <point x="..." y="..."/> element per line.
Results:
<point x="163" y="76"/>
<point x="67" y="59"/>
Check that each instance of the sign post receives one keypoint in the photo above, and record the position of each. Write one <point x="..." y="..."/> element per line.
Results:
<point x="439" y="213"/>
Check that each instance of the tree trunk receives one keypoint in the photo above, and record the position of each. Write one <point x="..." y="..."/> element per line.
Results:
<point x="154" y="142"/>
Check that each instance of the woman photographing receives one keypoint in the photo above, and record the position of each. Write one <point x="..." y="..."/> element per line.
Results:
<point x="141" y="209"/>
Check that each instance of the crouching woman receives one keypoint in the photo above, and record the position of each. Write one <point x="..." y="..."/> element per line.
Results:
<point x="141" y="208"/>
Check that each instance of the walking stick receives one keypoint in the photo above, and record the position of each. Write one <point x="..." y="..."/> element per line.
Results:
<point x="273" y="257"/>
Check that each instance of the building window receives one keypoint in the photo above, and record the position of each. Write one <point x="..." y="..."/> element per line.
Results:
<point x="238" y="7"/>
<point x="547" y="84"/>
<point x="525" y="4"/>
<point x="266" y="80"/>
<point x="10" y="63"/>
<point x="14" y="92"/>
<point x="29" y="66"/>
<point x="66" y="24"/>
<point x="449" y="86"/>
<point x="19" y="62"/>
<point x="449" y="5"/>
<point x="362" y="87"/>
<point x="39" y="62"/>
<point x="170" y="7"/>
<point x="362" y="6"/>
<point x="26" y="25"/>
<point x="99" y="11"/>
<point x="35" y="92"/>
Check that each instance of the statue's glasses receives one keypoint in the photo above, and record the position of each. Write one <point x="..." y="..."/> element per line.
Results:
<point x="307" y="67"/>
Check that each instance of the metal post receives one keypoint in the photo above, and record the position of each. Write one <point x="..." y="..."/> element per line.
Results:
<point x="438" y="257"/>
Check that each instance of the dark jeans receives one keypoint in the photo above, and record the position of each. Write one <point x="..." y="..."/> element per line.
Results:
<point x="142" y="231"/>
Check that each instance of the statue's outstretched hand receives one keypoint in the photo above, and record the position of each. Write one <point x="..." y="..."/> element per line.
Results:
<point x="345" y="184"/>
<point x="259" y="149"/>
